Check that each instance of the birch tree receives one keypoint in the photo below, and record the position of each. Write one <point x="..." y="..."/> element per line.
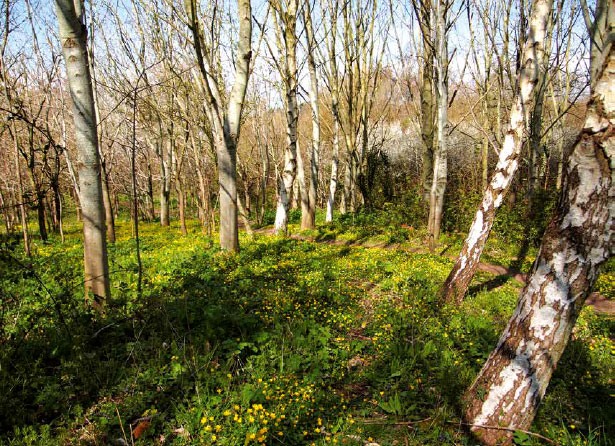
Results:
<point x="332" y="77"/>
<point x="579" y="238"/>
<point x="285" y="18"/>
<point x="309" y="220"/>
<point x="73" y="37"/>
<point x="533" y="53"/>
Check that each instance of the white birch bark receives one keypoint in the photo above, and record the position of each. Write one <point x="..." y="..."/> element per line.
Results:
<point x="334" y="167"/>
<point x="580" y="237"/>
<point x="73" y="37"/>
<point x="308" y="221"/>
<point x="288" y="18"/>
<point x="461" y="275"/>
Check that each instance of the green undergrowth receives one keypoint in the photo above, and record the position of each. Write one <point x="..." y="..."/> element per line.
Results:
<point x="287" y="343"/>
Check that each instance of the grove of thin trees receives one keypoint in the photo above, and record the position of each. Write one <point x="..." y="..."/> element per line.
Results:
<point x="242" y="114"/>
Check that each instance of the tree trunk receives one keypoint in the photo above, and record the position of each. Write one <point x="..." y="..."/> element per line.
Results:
<point x="309" y="220"/>
<point x="227" y="171"/>
<point x="263" y="183"/>
<point x="245" y="217"/>
<point x="306" y="222"/>
<point x="165" y="184"/>
<point x="226" y="123"/>
<point x="579" y="238"/>
<point x="334" y="167"/>
<point x="181" y="204"/>
<point x="427" y="102"/>
<point x="535" y="137"/>
<point x="289" y="78"/>
<point x="440" y="167"/>
<point x="73" y="38"/>
<point x="5" y="213"/>
<point x="40" y="213"/>
<point x="485" y="164"/>
<point x="77" y="201"/>
<point x="109" y="217"/>
<point x="22" y="206"/>
<point x="461" y="275"/>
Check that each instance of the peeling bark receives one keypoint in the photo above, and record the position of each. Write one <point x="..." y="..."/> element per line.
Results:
<point x="579" y="238"/>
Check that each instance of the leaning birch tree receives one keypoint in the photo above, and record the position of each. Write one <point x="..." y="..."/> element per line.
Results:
<point x="224" y="115"/>
<point x="73" y="37"/>
<point x="461" y="275"/>
<point x="579" y="238"/>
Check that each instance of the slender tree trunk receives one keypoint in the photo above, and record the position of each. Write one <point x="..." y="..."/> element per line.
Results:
<point x="135" y="199"/>
<point x="290" y="101"/>
<point x="580" y="237"/>
<point x="309" y="220"/>
<point x="22" y="205"/>
<point x="5" y="213"/>
<point x="427" y="102"/>
<point x="461" y="275"/>
<point x="303" y="193"/>
<point x="485" y="164"/>
<point x="57" y="206"/>
<point x="346" y="189"/>
<point x="150" y="193"/>
<point x="226" y="123"/>
<point x="263" y="186"/>
<point x="334" y="167"/>
<point x="245" y="217"/>
<point x="440" y="168"/>
<point x="535" y="136"/>
<point x="73" y="38"/>
<point x="181" y="204"/>
<point x="61" y="219"/>
<point x="77" y="201"/>
<point x="109" y="217"/>
<point x="165" y="186"/>
<point x="40" y="213"/>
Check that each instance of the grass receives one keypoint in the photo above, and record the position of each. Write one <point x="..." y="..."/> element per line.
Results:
<point x="289" y="342"/>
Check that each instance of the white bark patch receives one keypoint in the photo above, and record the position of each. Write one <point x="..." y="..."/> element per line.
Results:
<point x="476" y="230"/>
<point x="508" y="381"/>
<point x="508" y="148"/>
<point x="589" y="178"/>
<point x="606" y="92"/>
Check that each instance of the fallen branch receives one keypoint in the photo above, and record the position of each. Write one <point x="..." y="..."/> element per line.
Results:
<point x="482" y="426"/>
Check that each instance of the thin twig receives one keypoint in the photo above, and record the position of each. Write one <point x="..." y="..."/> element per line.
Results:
<point x="394" y="423"/>
<point x="121" y="424"/>
<point x="510" y="429"/>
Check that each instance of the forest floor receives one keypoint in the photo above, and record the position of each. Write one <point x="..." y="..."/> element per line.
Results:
<point x="290" y="342"/>
<point x="501" y="273"/>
